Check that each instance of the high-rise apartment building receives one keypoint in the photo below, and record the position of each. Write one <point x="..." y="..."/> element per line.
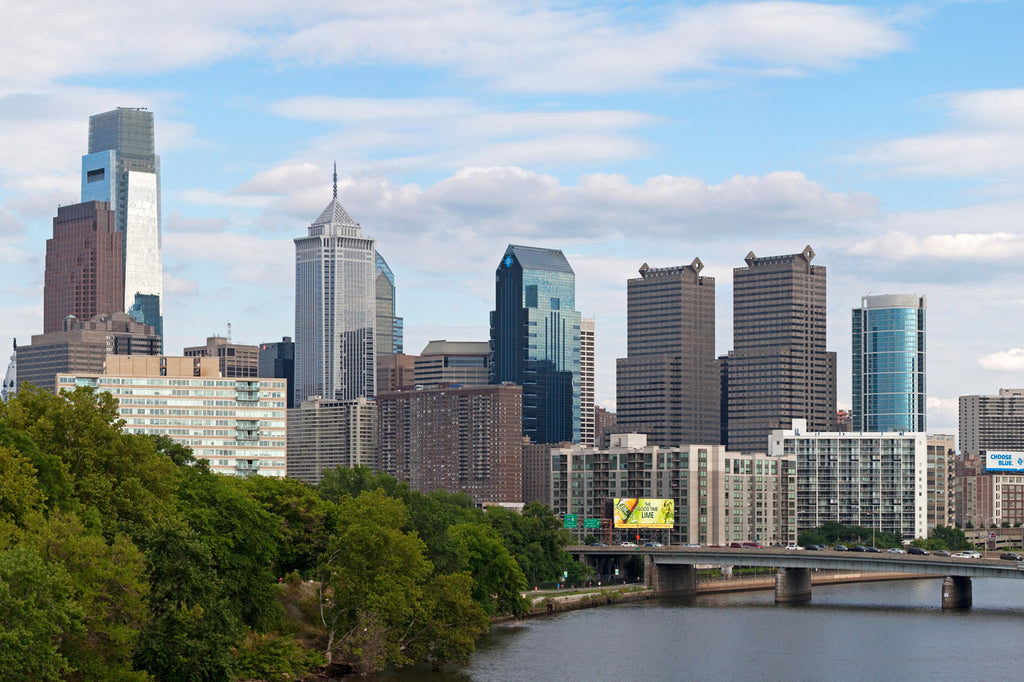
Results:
<point x="941" y="497"/>
<point x="335" y="308"/>
<point x="587" y="358"/>
<point x="889" y="364"/>
<point x="84" y="265"/>
<point x="535" y="340"/>
<point x="875" y="480"/>
<point x="456" y="439"/>
<point x="82" y="346"/>
<point x="453" y="362"/>
<point x="992" y="422"/>
<point x="237" y="425"/>
<point x="389" y="327"/>
<point x="277" y="360"/>
<point x="779" y="369"/>
<point x="395" y="371"/>
<point x="122" y="168"/>
<point x="235" y="360"/>
<point x="327" y="434"/>
<point x="668" y="385"/>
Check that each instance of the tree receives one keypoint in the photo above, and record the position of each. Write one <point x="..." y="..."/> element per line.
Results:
<point x="951" y="538"/>
<point x="498" y="582"/>
<point x="536" y="539"/>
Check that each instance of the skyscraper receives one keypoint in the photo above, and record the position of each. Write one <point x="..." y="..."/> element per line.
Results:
<point x="122" y="168"/>
<point x="389" y="327"/>
<point x="84" y="265"/>
<point x="335" y="308"/>
<point x="779" y="369"/>
<point x="668" y="385"/>
<point x="277" y="360"/>
<point x="535" y="340"/>
<point x="587" y="358"/>
<point x="889" y="363"/>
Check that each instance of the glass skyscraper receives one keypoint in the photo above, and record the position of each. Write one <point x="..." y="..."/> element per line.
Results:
<point x="889" y="364"/>
<point x="122" y="168"/>
<point x="535" y="340"/>
<point x="335" y="308"/>
<point x="389" y="327"/>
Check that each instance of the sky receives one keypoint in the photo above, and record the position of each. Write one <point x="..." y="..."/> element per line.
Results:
<point x="889" y="137"/>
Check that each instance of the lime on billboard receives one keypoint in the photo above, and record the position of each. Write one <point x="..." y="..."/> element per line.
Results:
<point x="634" y="512"/>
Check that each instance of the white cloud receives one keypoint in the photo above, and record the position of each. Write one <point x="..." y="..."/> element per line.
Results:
<point x="1011" y="360"/>
<point x="901" y="246"/>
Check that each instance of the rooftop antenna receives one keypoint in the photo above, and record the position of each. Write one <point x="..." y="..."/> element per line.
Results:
<point x="335" y="180"/>
<point x="229" y="332"/>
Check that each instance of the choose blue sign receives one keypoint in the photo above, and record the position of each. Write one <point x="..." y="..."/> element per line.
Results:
<point x="1004" y="461"/>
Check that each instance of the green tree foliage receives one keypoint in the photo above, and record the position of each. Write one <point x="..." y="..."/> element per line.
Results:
<point x="19" y="493"/>
<point x="305" y="521"/>
<point x="536" y="539"/>
<point x="953" y="538"/>
<point x="37" y="608"/>
<point x="832" y="532"/>
<point x="498" y="582"/>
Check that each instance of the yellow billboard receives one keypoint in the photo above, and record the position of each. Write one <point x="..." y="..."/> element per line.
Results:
<point x="642" y="512"/>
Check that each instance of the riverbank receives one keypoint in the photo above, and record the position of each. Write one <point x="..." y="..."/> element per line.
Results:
<point x="549" y="602"/>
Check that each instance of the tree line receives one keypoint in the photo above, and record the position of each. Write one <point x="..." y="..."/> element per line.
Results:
<point x="123" y="557"/>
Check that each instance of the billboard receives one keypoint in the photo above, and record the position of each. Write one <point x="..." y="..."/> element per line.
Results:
<point x="634" y="512"/>
<point x="1004" y="461"/>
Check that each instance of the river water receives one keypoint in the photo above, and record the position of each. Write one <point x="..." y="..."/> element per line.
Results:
<point x="865" y="631"/>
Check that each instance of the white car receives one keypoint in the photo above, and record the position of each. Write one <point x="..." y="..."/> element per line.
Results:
<point x="793" y="547"/>
<point x="895" y="550"/>
<point x="628" y="544"/>
<point x="969" y="554"/>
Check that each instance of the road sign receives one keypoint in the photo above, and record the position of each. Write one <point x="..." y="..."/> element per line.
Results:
<point x="591" y="523"/>
<point x="570" y="521"/>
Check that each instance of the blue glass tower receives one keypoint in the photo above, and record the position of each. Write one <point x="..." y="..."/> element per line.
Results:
<point x="535" y="340"/>
<point x="889" y="364"/>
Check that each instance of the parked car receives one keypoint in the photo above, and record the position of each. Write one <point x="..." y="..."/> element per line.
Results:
<point x="1011" y="556"/>
<point x="840" y="548"/>
<point x="895" y="550"/>
<point x="917" y="550"/>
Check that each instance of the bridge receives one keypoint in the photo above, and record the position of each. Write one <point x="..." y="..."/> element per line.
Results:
<point x="673" y="569"/>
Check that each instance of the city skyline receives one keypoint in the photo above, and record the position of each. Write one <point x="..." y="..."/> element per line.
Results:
<point x="620" y="134"/>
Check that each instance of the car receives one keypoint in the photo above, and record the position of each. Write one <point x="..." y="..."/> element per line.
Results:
<point x="735" y="545"/>
<point x="794" y="547"/>
<point x="814" y="548"/>
<point x="597" y="544"/>
<point x="691" y="545"/>
<point x="895" y="550"/>
<point x="940" y="552"/>
<point x="628" y="544"/>
<point x="840" y="548"/>
<point x="961" y="555"/>
<point x="1011" y="556"/>
<point x="858" y="548"/>
<point x="917" y="550"/>
<point x="652" y="544"/>
<point x="969" y="554"/>
<point x="756" y="545"/>
<point x="874" y="550"/>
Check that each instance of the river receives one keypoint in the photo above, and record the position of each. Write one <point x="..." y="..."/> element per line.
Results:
<point x="864" y="631"/>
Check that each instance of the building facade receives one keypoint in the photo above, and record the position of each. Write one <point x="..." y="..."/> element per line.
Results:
<point x="236" y="425"/>
<point x="874" y="480"/>
<point x="668" y="386"/>
<point x="82" y="347"/>
<point x="779" y="369"/>
<point x="84" y="265"/>
<point x="335" y="308"/>
<point x="888" y="346"/>
<point x="389" y="327"/>
<point x="277" y="361"/>
<point x="327" y="434"/>
<point x="941" y="497"/>
<point x="535" y="340"/>
<point x="587" y="359"/>
<point x="719" y="496"/>
<point x="453" y="362"/>
<point x="234" y="360"/>
<point x="395" y="371"/>
<point x="122" y="168"/>
<point x="992" y="422"/>
<point x="455" y="439"/>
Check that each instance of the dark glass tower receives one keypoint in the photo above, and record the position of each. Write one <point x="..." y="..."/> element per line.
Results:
<point x="779" y="369"/>
<point x="889" y="364"/>
<point x="535" y="340"/>
<point x="668" y="386"/>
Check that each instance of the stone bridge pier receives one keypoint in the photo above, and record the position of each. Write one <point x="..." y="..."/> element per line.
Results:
<point x="792" y="585"/>
<point x="956" y="592"/>
<point x="670" y="578"/>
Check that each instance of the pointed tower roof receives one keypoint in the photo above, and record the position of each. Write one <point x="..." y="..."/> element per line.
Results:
<point x="335" y="214"/>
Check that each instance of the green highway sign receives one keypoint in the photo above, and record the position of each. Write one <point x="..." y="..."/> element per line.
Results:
<point x="570" y="521"/>
<point x="591" y="523"/>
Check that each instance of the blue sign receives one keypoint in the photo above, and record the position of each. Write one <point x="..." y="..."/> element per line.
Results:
<point x="1004" y="461"/>
<point x="508" y="261"/>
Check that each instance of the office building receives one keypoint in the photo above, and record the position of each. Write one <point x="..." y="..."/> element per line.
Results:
<point x="463" y="439"/>
<point x="875" y="480"/>
<point x="122" y="168"/>
<point x="990" y="500"/>
<point x="535" y="340"/>
<point x="389" y="326"/>
<point x="335" y="308"/>
<point x="395" y="371"/>
<point x="719" y="496"/>
<point x="941" y="459"/>
<point x="277" y="361"/>
<point x="668" y="386"/>
<point x="84" y="265"/>
<point x="537" y="472"/>
<point x="453" y="362"/>
<point x="992" y="422"/>
<point x="605" y="425"/>
<point x="327" y="434"/>
<point x="587" y="359"/>
<point x="779" y="369"/>
<point x="82" y="347"/>
<point x="236" y="425"/>
<point x="889" y="364"/>
<point x="234" y="360"/>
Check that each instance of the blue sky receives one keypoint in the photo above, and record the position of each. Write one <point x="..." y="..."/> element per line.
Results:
<point x="889" y="137"/>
